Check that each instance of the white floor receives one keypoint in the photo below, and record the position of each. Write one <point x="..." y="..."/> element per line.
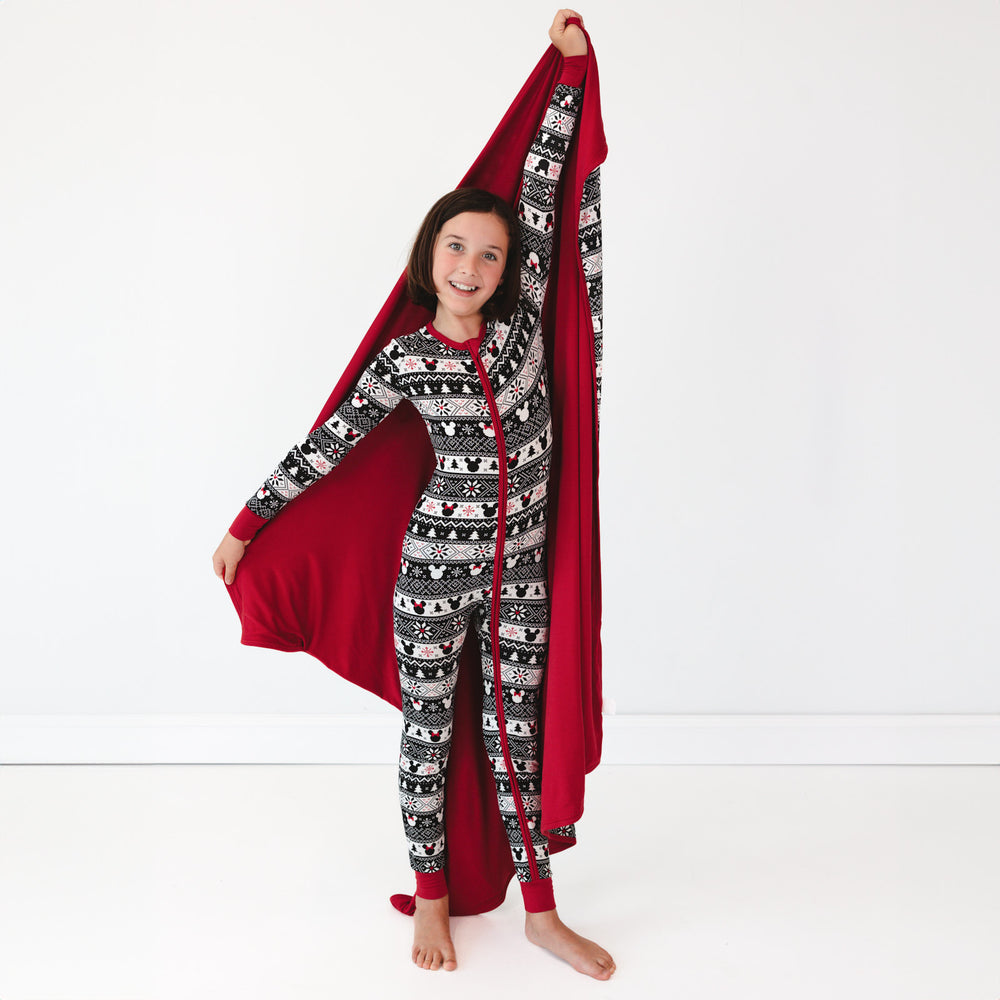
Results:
<point x="243" y="882"/>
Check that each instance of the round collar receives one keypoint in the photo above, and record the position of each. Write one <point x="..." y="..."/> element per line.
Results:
<point x="462" y="345"/>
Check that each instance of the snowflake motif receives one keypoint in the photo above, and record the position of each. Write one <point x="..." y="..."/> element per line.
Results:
<point x="545" y="468"/>
<point x="531" y="286"/>
<point x="369" y="383"/>
<point x="511" y="631"/>
<point x="410" y="804"/>
<point x="470" y="488"/>
<point x="482" y="551"/>
<point x="468" y="510"/>
<point x="518" y="612"/>
<point x="434" y="753"/>
<point x="421" y="629"/>
<point x="483" y="408"/>
<point x="430" y="507"/>
<point x="457" y="623"/>
<point x="426" y="652"/>
<point x="449" y="366"/>
<point x="437" y="483"/>
<point x="516" y="388"/>
<point x="520" y="676"/>
<point x="440" y="551"/>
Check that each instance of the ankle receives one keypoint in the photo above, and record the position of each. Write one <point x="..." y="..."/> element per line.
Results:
<point x="435" y="907"/>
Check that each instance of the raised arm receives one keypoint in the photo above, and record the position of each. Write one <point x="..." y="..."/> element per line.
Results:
<point x="540" y="179"/>
<point x="374" y="396"/>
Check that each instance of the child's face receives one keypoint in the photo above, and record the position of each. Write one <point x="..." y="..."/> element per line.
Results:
<point x="470" y="254"/>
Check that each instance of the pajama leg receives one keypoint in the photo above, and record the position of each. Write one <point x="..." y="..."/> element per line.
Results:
<point x="511" y="708"/>
<point x="429" y="633"/>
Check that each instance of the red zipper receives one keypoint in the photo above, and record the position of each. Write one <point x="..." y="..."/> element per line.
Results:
<point x="529" y="847"/>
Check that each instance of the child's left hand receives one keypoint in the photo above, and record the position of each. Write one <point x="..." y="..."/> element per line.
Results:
<point x="569" y="41"/>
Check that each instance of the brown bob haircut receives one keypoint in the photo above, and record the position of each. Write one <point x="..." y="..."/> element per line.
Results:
<point x="420" y="267"/>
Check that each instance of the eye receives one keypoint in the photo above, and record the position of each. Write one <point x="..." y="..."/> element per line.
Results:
<point x="489" y="255"/>
<point x="454" y="246"/>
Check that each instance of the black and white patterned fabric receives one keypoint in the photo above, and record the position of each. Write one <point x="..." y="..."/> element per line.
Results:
<point x="591" y="253"/>
<point x="486" y="408"/>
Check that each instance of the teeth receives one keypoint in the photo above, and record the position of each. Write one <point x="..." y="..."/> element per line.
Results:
<point x="464" y="288"/>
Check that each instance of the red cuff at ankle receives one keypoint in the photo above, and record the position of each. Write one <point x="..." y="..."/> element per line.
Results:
<point x="538" y="895"/>
<point x="431" y="885"/>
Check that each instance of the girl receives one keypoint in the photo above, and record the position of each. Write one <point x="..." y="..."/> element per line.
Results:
<point x="473" y="555"/>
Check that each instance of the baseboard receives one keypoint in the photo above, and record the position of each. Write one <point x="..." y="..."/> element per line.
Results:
<point x="373" y="739"/>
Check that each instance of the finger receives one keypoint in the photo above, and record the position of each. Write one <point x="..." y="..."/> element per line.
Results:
<point x="231" y="573"/>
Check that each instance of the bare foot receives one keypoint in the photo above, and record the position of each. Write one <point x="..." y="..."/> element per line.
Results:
<point x="548" y="931"/>
<point x="432" y="947"/>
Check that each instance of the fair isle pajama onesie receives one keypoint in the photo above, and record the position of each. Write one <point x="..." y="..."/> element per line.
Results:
<point x="474" y="550"/>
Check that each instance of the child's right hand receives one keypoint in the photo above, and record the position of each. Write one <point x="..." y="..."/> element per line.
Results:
<point x="227" y="555"/>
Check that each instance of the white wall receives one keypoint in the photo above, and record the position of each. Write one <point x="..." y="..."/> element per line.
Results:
<point x="202" y="210"/>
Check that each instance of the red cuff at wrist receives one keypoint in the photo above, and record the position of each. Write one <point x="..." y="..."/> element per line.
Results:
<point x="574" y="69"/>
<point x="246" y="525"/>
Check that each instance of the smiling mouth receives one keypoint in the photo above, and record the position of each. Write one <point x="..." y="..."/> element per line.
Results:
<point x="463" y="288"/>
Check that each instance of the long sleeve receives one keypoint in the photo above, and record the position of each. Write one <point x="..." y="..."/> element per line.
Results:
<point x="374" y="396"/>
<point x="540" y="179"/>
<point x="592" y="255"/>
